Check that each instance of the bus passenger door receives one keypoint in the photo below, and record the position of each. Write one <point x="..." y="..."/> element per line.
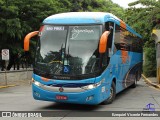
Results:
<point x="112" y="58"/>
<point x="120" y="57"/>
<point x="109" y="26"/>
<point x="116" y="55"/>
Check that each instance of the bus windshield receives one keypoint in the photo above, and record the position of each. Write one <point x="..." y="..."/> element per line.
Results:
<point x="68" y="50"/>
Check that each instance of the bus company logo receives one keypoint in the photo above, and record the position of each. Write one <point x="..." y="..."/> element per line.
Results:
<point x="149" y="107"/>
<point x="61" y="89"/>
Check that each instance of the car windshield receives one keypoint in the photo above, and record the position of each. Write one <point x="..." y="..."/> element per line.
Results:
<point x="68" y="50"/>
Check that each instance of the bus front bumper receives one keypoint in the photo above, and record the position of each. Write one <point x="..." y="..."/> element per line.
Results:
<point x="79" y="96"/>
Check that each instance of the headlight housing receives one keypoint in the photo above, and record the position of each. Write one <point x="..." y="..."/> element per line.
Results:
<point x="36" y="82"/>
<point x="92" y="86"/>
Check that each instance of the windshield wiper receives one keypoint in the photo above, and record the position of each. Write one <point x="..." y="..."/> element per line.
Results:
<point x="41" y="72"/>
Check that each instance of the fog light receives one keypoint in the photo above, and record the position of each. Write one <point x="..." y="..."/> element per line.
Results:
<point x="89" y="98"/>
<point x="37" y="94"/>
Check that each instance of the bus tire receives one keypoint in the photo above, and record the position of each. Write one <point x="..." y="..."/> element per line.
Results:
<point x="112" y="94"/>
<point x="135" y="81"/>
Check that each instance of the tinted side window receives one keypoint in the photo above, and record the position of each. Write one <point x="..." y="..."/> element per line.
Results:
<point x="122" y="39"/>
<point x="125" y="40"/>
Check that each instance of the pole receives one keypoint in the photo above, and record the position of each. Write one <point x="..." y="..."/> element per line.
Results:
<point x="158" y="61"/>
<point x="6" y="41"/>
<point x="158" y="75"/>
<point x="6" y="72"/>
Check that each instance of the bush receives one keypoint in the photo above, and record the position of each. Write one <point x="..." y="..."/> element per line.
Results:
<point x="149" y="68"/>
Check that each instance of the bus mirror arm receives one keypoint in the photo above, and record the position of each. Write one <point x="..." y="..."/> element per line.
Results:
<point x="27" y="39"/>
<point x="103" y="42"/>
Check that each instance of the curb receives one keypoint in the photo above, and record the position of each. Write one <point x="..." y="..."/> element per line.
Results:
<point x="150" y="83"/>
<point x="7" y="86"/>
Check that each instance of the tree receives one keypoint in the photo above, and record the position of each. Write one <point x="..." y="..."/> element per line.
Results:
<point x="143" y="20"/>
<point x="97" y="6"/>
<point x="139" y="18"/>
<point x="20" y="17"/>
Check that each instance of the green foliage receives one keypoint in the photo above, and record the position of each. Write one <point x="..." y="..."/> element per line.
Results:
<point x="97" y="5"/>
<point x="18" y="18"/>
<point x="143" y="20"/>
<point x="149" y="68"/>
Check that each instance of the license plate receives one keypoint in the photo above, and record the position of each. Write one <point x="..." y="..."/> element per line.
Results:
<point x="61" y="97"/>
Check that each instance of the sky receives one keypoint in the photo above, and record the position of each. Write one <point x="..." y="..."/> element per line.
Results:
<point x="123" y="3"/>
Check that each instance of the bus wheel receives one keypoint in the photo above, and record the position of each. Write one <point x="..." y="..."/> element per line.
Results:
<point x="135" y="81"/>
<point x="112" y="94"/>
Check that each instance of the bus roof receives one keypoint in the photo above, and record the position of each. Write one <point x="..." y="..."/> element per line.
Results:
<point x="86" y="18"/>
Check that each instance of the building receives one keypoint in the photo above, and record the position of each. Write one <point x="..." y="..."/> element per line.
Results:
<point x="156" y="37"/>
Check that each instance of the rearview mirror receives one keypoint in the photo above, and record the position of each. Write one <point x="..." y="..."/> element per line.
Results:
<point x="103" y="42"/>
<point x="27" y="39"/>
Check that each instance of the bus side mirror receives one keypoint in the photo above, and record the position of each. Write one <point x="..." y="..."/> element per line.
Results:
<point x="103" y="42"/>
<point x="27" y="39"/>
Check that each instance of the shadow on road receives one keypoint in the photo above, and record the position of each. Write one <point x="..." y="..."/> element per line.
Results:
<point x="67" y="106"/>
<point x="128" y="91"/>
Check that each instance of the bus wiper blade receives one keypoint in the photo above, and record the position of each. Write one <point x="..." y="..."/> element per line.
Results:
<point x="41" y="72"/>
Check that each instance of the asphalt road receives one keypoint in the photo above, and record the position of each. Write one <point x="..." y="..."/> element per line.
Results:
<point x="20" y="98"/>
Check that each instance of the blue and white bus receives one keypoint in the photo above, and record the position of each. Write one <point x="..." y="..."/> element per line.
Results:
<point x="84" y="58"/>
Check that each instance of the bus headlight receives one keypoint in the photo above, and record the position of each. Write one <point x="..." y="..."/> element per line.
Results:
<point x="92" y="86"/>
<point x="36" y="82"/>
